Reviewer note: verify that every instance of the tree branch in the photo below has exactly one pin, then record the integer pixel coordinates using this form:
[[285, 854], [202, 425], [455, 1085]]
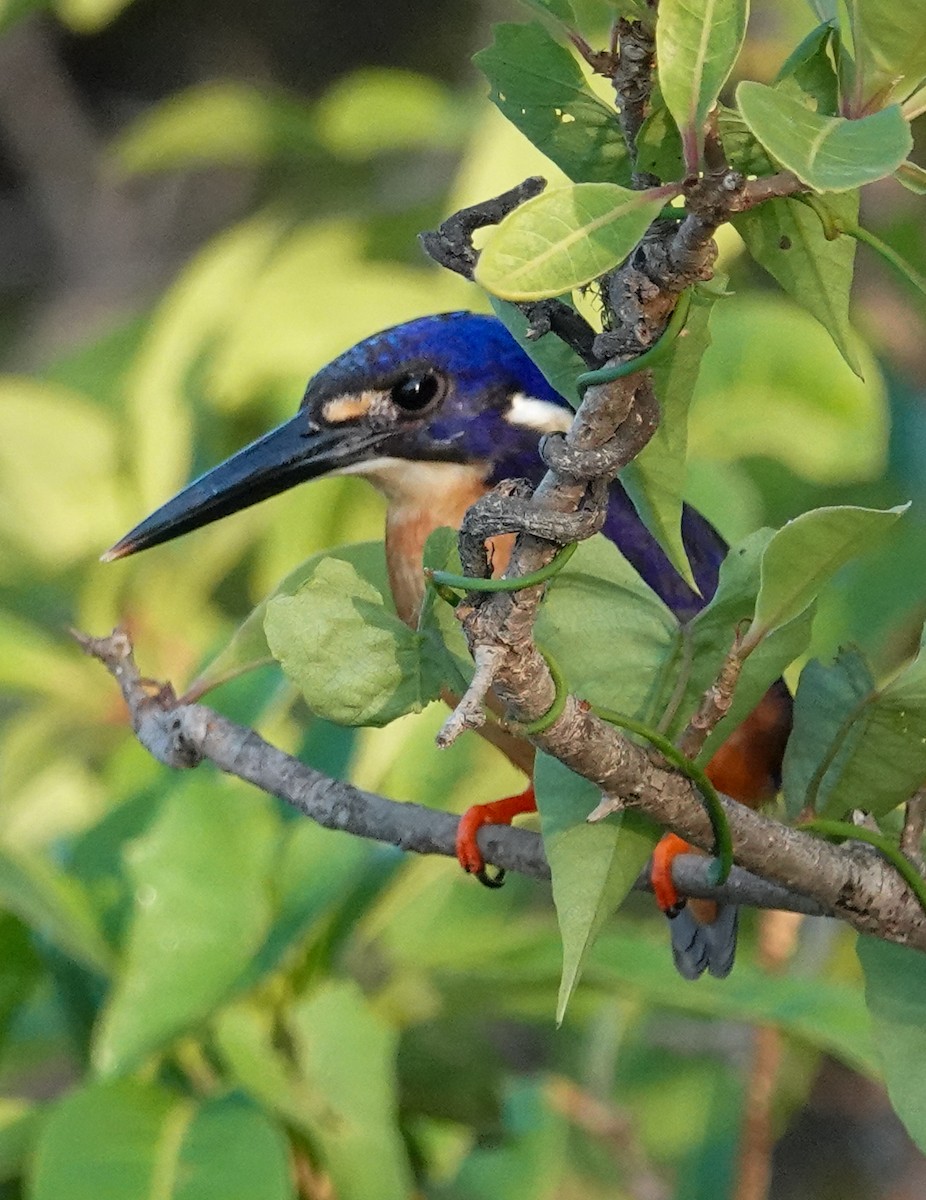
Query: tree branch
[[184, 735]]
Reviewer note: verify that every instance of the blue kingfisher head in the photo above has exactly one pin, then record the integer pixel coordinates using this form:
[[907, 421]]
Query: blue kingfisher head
[[448, 389]]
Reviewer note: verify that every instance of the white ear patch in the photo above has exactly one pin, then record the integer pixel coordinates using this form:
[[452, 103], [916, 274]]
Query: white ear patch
[[539, 415]]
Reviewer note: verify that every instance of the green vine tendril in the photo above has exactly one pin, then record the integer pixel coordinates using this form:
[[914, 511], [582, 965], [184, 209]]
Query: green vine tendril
[[723, 841], [648, 358], [443, 580]]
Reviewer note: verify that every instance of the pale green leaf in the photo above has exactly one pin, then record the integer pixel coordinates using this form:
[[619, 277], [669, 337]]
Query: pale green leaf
[[912, 176], [247, 1039], [196, 310], [895, 989], [829, 154], [697, 44], [59, 494], [89, 16], [354, 661], [560, 10], [228, 122], [538, 85], [806, 553], [772, 384], [787, 238], [808, 73], [593, 866], [824, 10], [376, 110], [889, 51], [54, 905], [202, 876], [339, 1040], [565, 238], [130, 1138], [248, 649]]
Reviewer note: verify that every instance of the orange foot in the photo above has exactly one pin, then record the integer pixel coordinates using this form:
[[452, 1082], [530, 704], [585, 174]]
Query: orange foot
[[668, 848], [499, 812]]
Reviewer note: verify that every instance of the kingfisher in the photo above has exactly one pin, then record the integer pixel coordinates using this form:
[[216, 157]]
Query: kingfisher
[[434, 413]]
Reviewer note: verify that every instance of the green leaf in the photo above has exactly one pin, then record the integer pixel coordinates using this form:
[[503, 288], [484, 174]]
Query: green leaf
[[21, 970], [829, 154], [59, 493], [709, 636], [629, 637], [593, 866], [19, 1127], [742, 149], [376, 110], [826, 697], [89, 16], [541, 89], [895, 989], [889, 45], [565, 238], [560, 364], [229, 123], [808, 72], [354, 661], [54, 906], [127, 1138], [912, 176], [534, 1158], [806, 553], [697, 44], [870, 742], [248, 649], [787, 238], [659, 144], [815, 1010], [655, 479], [247, 1038], [339, 1040], [560, 10], [447, 647], [772, 384], [202, 876]]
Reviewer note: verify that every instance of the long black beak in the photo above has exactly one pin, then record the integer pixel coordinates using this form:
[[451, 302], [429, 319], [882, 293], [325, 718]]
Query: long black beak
[[288, 455]]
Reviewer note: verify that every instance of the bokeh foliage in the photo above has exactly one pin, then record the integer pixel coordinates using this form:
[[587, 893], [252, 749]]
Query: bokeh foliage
[[217, 998]]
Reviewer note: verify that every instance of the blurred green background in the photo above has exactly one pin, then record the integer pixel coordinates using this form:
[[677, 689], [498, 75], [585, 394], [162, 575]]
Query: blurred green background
[[202, 204]]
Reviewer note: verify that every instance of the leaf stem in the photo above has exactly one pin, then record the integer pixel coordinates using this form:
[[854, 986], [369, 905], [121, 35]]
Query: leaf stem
[[833, 226]]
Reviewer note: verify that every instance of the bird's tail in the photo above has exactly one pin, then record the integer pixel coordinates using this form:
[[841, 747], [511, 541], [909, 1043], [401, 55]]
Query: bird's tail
[[698, 947]]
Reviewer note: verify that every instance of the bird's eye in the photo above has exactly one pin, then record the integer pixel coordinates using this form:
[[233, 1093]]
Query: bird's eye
[[413, 393]]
